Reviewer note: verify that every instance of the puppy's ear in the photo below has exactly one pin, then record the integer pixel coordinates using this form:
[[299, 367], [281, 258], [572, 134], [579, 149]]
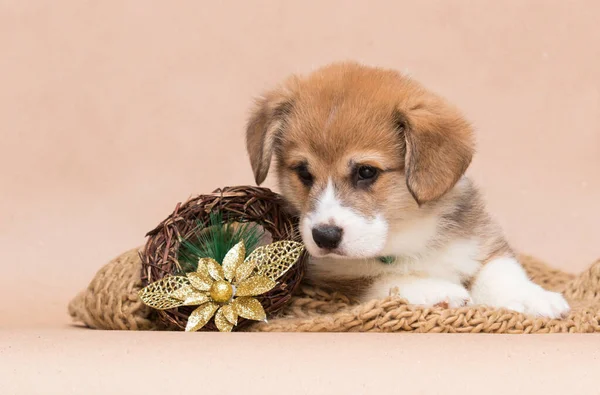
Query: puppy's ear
[[264, 126], [439, 148]]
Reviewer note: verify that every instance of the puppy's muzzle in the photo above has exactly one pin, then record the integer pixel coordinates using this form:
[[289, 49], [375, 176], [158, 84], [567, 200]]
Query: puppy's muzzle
[[327, 236]]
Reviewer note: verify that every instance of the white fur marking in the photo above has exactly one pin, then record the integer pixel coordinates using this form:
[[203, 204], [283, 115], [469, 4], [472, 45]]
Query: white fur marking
[[455, 262], [362, 237]]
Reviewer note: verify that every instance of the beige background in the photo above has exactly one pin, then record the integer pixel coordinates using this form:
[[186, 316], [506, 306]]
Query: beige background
[[113, 111]]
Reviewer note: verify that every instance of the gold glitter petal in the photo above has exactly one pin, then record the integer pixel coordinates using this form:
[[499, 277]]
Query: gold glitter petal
[[223, 325], [233, 258], [214, 269], [195, 299], [249, 308], [201, 316], [275, 259], [255, 285], [165, 293], [244, 270], [229, 313], [200, 281], [202, 266]]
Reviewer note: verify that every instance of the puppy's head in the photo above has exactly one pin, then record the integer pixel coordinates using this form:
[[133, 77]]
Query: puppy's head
[[357, 150]]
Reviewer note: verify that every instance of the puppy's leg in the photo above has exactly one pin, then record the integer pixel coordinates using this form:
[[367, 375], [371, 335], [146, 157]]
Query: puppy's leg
[[420, 291], [502, 282]]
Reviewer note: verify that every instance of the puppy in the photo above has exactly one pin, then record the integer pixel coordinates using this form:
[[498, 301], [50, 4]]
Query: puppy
[[374, 166]]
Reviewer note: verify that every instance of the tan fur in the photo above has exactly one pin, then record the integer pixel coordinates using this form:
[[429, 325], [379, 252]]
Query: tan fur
[[347, 114]]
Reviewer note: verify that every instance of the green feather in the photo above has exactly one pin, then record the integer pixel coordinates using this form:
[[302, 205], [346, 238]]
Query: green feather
[[215, 240]]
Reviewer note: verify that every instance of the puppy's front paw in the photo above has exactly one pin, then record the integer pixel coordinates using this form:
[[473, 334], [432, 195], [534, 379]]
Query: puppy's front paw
[[431, 292], [532, 300], [503, 283], [422, 291]]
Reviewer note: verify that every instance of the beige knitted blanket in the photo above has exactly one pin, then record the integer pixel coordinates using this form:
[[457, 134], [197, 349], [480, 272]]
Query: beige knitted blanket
[[111, 302]]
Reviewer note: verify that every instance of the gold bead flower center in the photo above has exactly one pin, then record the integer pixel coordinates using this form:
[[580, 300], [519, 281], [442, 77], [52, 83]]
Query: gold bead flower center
[[221, 291]]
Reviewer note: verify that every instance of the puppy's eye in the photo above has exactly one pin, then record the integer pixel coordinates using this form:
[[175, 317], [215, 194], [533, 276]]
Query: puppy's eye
[[304, 175], [365, 175], [366, 172]]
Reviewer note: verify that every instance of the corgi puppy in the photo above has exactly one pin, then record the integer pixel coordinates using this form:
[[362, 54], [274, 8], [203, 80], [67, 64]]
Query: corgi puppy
[[374, 166]]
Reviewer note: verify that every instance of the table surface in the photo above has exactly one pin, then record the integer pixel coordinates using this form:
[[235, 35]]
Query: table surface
[[71, 360]]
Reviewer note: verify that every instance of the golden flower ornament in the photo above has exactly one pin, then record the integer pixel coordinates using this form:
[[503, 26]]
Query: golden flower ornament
[[225, 291]]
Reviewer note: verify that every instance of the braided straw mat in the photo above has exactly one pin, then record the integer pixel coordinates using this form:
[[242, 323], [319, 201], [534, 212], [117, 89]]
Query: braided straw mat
[[111, 302]]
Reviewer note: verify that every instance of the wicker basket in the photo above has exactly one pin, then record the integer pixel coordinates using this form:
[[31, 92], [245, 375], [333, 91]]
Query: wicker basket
[[236, 204]]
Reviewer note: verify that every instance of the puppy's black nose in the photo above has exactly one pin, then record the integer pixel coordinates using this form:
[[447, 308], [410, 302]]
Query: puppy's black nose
[[327, 236]]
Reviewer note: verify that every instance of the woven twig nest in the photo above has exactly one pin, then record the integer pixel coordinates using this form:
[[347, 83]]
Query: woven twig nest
[[242, 204]]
